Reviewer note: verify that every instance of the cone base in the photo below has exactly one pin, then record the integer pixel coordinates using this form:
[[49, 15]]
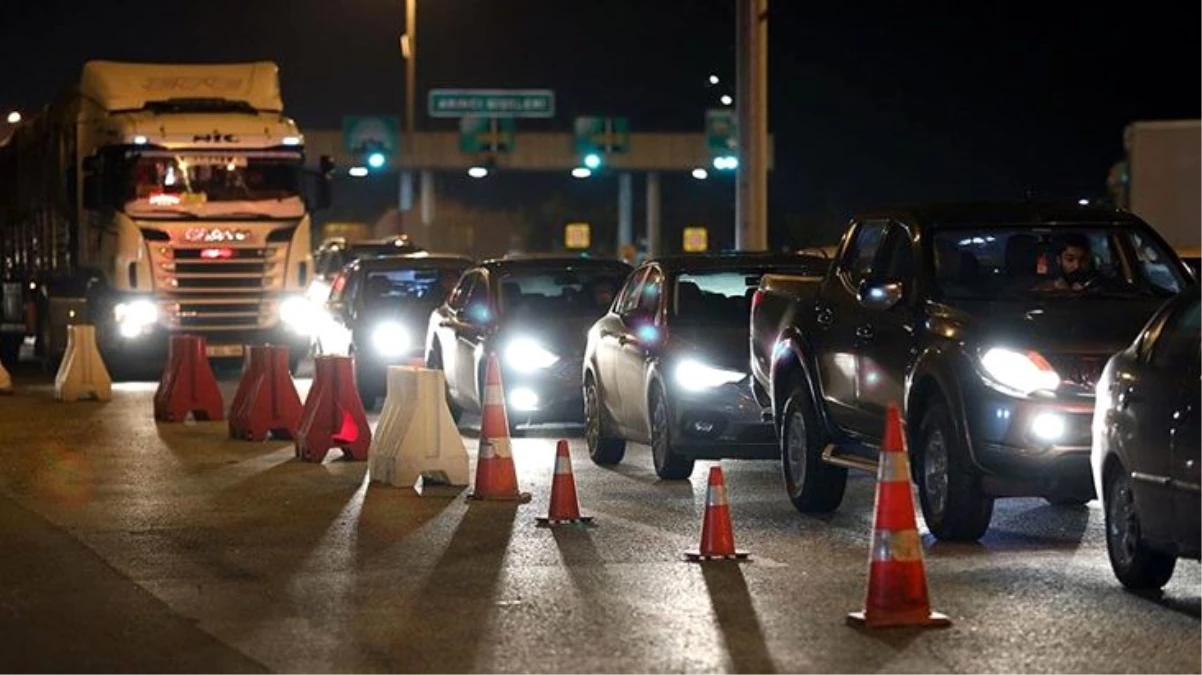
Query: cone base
[[519, 497], [552, 522], [933, 620], [697, 556]]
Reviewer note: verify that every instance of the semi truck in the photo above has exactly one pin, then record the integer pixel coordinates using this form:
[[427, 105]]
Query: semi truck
[[1160, 180], [155, 199]]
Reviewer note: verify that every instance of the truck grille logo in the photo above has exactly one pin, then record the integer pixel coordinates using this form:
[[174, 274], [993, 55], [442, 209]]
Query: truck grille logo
[[215, 235], [215, 137]]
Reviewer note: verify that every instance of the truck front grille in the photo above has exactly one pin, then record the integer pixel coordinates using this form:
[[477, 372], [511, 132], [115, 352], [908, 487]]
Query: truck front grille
[[224, 288]]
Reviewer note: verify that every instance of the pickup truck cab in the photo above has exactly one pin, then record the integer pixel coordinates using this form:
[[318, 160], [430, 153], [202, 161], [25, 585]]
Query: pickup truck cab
[[987, 324]]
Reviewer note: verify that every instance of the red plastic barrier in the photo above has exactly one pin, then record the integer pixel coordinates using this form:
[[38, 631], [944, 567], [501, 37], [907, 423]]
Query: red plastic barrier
[[333, 414], [266, 403], [187, 385]]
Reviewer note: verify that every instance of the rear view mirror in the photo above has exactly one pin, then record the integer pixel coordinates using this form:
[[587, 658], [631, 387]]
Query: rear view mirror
[[880, 295]]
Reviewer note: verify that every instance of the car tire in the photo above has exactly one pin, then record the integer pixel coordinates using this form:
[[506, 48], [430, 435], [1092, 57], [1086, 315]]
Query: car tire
[[813, 486], [954, 504], [668, 464], [1136, 566], [603, 450]]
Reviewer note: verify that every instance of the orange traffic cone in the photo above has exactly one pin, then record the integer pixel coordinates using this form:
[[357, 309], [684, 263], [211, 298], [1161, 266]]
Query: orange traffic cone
[[717, 537], [564, 506], [496, 478], [897, 581]]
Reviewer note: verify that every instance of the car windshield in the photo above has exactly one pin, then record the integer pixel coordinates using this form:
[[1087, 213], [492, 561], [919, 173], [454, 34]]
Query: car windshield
[[216, 185], [427, 285], [990, 263], [543, 293], [721, 296]]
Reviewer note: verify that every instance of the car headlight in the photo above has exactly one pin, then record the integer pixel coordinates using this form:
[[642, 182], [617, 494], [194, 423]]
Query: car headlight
[[297, 313], [526, 355], [696, 376], [318, 291], [390, 339], [1023, 372]]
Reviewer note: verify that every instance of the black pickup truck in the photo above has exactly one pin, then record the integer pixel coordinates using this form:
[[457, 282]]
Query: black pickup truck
[[987, 324]]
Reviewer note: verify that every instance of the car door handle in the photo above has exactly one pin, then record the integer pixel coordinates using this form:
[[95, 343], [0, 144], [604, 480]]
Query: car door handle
[[864, 332]]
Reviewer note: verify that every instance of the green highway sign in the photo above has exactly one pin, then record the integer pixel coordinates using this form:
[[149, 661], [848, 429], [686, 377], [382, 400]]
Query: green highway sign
[[492, 102], [486, 134], [364, 133], [720, 135], [602, 135]]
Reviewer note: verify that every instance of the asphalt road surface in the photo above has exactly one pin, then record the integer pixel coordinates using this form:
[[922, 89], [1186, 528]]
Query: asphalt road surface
[[133, 546]]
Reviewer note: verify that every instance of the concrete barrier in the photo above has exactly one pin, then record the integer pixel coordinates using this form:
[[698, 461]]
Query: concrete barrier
[[417, 443]]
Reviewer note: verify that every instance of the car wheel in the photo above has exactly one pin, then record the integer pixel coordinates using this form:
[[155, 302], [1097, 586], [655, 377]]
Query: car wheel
[[953, 503], [668, 464], [1136, 566], [602, 449], [811, 484]]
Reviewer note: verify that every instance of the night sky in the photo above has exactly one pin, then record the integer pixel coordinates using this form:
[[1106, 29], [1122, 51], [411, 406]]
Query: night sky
[[870, 103]]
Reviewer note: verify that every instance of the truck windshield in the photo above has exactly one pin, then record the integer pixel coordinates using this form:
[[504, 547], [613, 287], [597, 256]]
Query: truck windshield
[[995, 263], [170, 184]]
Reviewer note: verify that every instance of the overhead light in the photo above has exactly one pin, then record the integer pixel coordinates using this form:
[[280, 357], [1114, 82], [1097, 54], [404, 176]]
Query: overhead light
[[726, 99], [592, 160], [713, 79], [1083, 202], [726, 163], [291, 140], [140, 140], [358, 171], [700, 173], [581, 172], [376, 160], [14, 117], [477, 172]]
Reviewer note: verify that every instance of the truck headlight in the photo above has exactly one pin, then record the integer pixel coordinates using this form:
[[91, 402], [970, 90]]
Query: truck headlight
[[696, 376], [298, 314], [1023, 372], [525, 355], [135, 317], [390, 339]]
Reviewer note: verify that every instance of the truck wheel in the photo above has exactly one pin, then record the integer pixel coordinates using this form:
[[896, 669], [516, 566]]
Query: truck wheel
[[953, 503], [812, 485], [602, 449], [668, 464], [1135, 565]]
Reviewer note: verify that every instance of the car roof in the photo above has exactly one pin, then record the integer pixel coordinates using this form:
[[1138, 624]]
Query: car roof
[[734, 260], [415, 261], [1048, 214], [552, 262]]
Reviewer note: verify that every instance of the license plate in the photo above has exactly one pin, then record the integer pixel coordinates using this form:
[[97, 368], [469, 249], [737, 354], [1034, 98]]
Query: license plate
[[219, 351]]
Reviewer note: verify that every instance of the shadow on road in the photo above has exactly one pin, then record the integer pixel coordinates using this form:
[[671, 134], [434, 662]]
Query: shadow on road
[[737, 619], [1187, 606]]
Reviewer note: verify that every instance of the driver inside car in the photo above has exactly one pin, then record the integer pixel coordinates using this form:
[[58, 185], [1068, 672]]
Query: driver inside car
[[1077, 271]]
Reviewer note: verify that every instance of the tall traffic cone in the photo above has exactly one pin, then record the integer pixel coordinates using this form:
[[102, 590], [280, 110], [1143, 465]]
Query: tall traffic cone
[[897, 580], [717, 537], [496, 478], [564, 506]]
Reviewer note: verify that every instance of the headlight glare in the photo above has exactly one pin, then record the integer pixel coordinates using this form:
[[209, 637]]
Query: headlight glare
[[1024, 372], [134, 317], [390, 339], [525, 355], [297, 313], [696, 376]]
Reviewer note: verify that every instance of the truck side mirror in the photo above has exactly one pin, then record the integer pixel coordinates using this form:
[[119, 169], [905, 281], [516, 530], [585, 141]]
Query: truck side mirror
[[320, 193], [880, 295], [93, 195]]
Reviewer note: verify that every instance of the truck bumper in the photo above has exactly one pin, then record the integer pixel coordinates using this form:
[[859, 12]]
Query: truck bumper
[[1027, 447], [150, 349]]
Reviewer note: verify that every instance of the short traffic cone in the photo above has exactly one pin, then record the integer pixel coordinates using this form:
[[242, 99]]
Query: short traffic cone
[[564, 506], [717, 537], [6, 381], [496, 478], [897, 581]]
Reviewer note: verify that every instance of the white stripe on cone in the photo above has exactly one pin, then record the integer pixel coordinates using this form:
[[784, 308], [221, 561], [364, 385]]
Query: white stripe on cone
[[717, 495], [563, 465], [903, 546], [895, 468], [493, 395], [499, 448]]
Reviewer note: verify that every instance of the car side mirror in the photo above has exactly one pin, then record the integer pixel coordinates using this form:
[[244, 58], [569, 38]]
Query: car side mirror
[[880, 296]]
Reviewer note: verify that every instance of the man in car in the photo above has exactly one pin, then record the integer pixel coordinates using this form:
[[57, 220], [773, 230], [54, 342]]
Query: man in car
[[1076, 266]]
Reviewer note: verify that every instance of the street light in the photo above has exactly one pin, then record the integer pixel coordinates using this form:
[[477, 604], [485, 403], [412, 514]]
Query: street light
[[726, 99], [357, 171], [592, 160], [13, 117], [477, 172], [581, 172], [700, 173], [713, 79]]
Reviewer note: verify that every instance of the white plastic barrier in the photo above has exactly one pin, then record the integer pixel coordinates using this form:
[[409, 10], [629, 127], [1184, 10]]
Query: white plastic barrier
[[6, 381], [82, 372], [416, 443]]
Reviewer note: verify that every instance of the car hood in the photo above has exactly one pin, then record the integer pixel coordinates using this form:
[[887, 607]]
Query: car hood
[[1083, 326], [715, 345], [564, 336]]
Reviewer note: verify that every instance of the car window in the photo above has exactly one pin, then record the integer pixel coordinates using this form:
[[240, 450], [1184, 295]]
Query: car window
[[721, 297], [896, 259], [477, 306], [424, 284], [628, 298], [859, 257], [577, 291], [1180, 340], [651, 291], [459, 296], [1155, 263]]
